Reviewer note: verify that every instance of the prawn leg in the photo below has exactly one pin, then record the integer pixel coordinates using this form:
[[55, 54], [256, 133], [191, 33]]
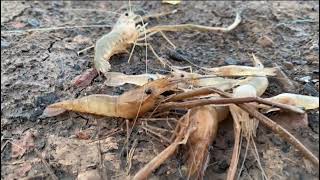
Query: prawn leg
[[85, 49]]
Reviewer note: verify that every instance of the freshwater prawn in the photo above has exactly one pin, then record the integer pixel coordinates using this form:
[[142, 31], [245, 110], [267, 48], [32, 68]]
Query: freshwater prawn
[[127, 32], [123, 34], [200, 124], [129, 105]]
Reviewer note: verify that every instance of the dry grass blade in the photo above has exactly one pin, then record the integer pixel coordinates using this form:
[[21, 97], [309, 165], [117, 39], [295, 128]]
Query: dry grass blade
[[182, 134], [167, 141], [57, 28], [47, 166]]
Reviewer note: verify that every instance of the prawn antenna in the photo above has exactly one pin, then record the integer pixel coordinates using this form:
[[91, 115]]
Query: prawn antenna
[[143, 27], [130, 6]]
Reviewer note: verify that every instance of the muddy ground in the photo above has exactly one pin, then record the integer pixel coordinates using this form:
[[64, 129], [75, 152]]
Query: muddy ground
[[37, 69]]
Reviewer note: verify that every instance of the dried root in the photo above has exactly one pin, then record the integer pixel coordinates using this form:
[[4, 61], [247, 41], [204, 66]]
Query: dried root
[[183, 131]]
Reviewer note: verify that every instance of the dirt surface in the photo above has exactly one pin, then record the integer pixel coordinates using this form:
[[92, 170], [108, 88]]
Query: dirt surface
[[37, 69]]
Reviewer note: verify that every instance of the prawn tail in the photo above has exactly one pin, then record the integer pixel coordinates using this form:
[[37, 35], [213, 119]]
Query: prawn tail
[[94, 104], [306, 102]]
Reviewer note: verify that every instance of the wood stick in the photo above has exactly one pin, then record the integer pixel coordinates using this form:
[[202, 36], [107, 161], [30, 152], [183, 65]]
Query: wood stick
[[235, 153], [281, 132], [201, 102]]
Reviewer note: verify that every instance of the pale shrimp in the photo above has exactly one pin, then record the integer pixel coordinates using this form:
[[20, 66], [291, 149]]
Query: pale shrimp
[[198, 80], [118, 79], [192, 79], [122, 36], [128, 105], [259, 83], [306, 102], [126, 33], [235, 70]]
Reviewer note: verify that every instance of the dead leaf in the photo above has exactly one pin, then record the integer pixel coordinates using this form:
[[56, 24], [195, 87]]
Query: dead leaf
[[18, 25], [21, 146], [82, 135], [82, 40], [171, 2], [291, 120], [24, 169], [86, 78], [265, 41]]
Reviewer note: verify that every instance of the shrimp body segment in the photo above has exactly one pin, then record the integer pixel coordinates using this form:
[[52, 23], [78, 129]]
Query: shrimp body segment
[[128, 105]]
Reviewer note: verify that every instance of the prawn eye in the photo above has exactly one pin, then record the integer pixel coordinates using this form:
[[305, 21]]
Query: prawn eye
[[126, 14], [148, 91], [182, 75]]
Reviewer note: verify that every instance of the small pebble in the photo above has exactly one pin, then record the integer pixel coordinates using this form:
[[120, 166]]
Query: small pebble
[[44, 100], [33, 22], [300, 62], [57, 3], [310, 89], [119, 90], [305, 79], [231, 61], [315, 80], [288, 65], [4, 43], [275, 140], [265, 41], [285, 147], [313, 122], [77, 67], [35, 114], [41, 144]]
